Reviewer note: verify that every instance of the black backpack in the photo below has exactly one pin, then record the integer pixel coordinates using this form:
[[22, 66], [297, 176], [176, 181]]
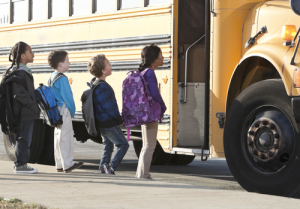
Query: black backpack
[[88, 108], [10, 122]]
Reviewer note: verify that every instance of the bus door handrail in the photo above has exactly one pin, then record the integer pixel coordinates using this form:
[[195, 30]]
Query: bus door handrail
[[186, 63]]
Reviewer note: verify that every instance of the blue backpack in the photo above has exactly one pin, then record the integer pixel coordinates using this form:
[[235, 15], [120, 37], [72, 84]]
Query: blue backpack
[[47, 103]]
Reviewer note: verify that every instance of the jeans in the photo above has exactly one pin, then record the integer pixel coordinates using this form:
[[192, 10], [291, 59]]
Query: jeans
[[23, 142], [110, 137]]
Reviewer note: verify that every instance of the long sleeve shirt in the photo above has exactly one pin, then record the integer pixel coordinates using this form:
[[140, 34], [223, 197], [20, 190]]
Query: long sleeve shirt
[[151, 79], [63, 93], [106, 107]]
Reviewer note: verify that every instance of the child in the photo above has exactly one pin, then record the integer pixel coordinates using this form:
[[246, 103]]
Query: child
[[63, 135], [22, 55], [108, 118]]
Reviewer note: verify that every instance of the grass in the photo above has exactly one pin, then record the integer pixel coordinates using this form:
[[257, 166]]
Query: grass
[[15, 203]]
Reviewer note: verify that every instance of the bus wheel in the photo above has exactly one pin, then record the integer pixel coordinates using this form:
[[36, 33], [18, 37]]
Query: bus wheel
[[160, 157], [36, 146], [47, 156], [261, 140], [181, 159]]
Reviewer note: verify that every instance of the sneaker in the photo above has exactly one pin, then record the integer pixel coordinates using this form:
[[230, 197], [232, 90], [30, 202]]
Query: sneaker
[[25, 169], [104, 169], [59, 170], [75, 166], [150, 178], [111, 170]]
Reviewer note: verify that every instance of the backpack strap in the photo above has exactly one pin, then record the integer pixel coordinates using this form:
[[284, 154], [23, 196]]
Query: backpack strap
[[128, 134], [56, 77], [144, 71]]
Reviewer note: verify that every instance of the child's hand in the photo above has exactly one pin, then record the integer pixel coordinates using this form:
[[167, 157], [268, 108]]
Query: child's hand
[[72, 117], [121, 125]]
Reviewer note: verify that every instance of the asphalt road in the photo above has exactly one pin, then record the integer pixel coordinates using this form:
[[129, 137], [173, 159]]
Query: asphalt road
[[213, 173]]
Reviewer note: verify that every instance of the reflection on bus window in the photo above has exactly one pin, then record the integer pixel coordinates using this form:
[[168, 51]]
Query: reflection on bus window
[[81, 7], [59, 8], [19, 11], [38, 9], [126, 4], [104, 6], [3, 12], [157, 2]]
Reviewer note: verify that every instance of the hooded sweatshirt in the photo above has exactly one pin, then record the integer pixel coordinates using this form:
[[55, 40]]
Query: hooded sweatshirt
[[25, 96]]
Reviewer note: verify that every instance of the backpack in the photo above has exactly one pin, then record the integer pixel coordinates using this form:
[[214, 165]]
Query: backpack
[[47, 103], [139, 108], [10, 122], [88, 108]]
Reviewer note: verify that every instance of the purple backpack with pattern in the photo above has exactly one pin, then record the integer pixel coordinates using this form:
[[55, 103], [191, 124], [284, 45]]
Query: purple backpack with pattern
[[138, 106]]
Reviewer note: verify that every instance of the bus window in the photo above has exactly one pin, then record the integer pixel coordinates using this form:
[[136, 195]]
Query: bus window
[[191, 28], [19, 11], [104, 6], [38, 9], [3, 12], [80, 7], [126, 4], [59, 8], [157, 2]]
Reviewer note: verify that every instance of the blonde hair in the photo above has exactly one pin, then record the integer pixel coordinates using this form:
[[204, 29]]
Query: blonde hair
[[96, 65]]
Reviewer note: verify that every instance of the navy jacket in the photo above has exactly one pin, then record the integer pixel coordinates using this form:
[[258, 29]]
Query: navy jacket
[[105, 107]]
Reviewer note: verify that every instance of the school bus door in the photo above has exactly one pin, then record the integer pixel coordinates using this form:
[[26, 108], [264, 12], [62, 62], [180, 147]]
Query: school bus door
[[193, 76]]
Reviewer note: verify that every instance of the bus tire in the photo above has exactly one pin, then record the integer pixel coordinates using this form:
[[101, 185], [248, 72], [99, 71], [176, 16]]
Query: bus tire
[[160, 157], [181, 159], [36, 146], [261, 140], [47, 156]]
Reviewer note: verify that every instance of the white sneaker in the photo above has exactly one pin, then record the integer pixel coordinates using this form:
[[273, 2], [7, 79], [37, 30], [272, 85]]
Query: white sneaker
[[25, 169], [104, 170]]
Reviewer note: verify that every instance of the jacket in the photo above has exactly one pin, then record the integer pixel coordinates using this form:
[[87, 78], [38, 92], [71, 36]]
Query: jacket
[[25, 96], [105, 107]]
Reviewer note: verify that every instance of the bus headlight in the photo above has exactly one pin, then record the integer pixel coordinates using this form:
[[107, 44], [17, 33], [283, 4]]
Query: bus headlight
[[297, 78]]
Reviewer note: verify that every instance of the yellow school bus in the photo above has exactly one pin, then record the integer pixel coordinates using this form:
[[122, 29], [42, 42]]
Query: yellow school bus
[[230, 78]]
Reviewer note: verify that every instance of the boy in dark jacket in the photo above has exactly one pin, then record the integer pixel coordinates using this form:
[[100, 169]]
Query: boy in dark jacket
[[108, 117], [24, 96]]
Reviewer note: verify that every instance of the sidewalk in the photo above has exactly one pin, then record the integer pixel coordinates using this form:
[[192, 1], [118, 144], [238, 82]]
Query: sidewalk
[[87, 189]]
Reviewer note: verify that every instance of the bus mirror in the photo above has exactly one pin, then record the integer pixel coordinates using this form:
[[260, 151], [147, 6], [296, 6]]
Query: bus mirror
[[295, 5]]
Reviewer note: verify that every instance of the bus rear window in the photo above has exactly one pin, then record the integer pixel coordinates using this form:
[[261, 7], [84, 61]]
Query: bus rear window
[[104, 6], [81, 7], [157, 2], [3, 12], [127, 4], [59, 8], [19, 11], [38, 9]]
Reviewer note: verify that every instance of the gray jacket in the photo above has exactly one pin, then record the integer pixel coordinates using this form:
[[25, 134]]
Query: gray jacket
[[25, 97]]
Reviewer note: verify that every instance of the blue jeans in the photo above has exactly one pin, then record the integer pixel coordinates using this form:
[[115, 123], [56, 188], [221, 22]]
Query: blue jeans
[[110, 137], [23, 142]]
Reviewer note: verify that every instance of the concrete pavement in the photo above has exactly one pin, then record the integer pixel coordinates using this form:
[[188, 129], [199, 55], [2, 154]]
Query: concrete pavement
[[88, 189]]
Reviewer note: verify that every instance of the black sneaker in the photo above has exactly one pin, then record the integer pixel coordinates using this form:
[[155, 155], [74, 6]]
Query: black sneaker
[[75, 166]]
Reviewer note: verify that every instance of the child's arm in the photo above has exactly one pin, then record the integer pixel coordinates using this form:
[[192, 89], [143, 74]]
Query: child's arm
[[105, 97], [153, 88], [21, 95], [66, 94]]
